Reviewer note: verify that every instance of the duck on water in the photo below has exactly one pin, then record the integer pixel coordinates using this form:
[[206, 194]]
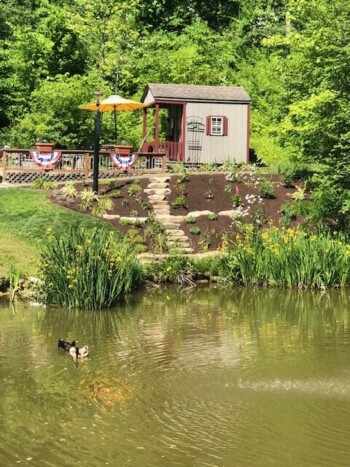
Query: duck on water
[[73, 349]]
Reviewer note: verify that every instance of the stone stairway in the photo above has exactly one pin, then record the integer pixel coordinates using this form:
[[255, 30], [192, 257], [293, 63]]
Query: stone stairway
[[157, 191]]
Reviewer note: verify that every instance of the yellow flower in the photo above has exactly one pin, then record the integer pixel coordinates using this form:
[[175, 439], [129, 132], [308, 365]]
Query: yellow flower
[[49, 230]]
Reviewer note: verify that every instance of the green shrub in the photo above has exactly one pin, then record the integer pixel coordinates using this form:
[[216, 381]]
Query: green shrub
[[289, 213], [87, 268], [212, 217], [236, 200], [180, 202], [195, 230], [87, 197], [38, 183], [266, 189], [190, 220], [69, 190], [103, 206], [134, 188], [288, 258], [49, 185]]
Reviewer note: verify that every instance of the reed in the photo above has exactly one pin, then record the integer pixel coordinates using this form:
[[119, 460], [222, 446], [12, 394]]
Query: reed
[[87, 268], [288, 258]]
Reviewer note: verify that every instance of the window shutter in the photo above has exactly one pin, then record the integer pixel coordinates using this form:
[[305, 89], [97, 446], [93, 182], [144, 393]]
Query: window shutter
[[209, 125], [225, 129]]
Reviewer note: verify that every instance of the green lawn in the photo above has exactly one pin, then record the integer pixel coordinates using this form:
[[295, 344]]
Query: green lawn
[[25, 215]]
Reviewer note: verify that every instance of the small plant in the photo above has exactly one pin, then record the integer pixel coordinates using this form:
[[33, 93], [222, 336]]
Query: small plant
[[211, 181], [115, 193], [236, 200], [190, 220], [69, 190], [87, 197], [181, 188], [259, 217], [86, 182], [134, 213], [212, 216], [125, 202], [113, 184], [287, 178], [151, 218], [180, 202], [103, 206], [49, 185], [195, 230], [228, 188], [134, 188], [299, 195], [38, 183], [289, 214], [209, 194], [146, 205], [205, 240], [266, 189]]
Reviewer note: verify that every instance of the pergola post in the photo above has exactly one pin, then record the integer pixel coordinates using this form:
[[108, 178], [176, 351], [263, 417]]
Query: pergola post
[[156, 127]]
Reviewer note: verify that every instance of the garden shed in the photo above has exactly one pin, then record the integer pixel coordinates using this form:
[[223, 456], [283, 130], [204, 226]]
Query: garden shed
[[197, 124]]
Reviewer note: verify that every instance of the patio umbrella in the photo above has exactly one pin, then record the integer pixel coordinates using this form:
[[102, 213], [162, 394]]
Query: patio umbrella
[[114, 103]]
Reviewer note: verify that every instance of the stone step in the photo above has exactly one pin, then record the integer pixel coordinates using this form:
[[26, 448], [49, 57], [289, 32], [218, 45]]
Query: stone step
[[160, 202], [158, 185], [133, 220], [160, 211], [199, 213], [159, 179], [227, 213], [153, 198], [178, 241], [111, 216], [165, 218], [171, 225], [173, 232], [157, 191]]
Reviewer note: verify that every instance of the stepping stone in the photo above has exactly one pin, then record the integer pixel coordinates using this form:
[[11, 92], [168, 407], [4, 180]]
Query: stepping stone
[[161, 212], [158, 185], [175, 232], [199, 213], [171, 226], [111, 216], [227, 213], [134, 220], [156, 197], [165, 218], [160, 179], [160, 202], [157, 191]]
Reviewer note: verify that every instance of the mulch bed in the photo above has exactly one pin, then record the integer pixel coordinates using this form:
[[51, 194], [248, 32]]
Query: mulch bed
[[211, 192]]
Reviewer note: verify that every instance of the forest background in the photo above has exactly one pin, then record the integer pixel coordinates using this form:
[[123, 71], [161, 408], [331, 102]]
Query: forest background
[[292, 56]]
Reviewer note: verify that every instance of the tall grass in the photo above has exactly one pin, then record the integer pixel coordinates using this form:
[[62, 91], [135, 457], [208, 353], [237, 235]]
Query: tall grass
[[288, 258], [87, 268]]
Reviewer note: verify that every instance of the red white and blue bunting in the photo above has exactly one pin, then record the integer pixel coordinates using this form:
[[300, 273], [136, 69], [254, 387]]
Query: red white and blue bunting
[[46, 160], [123, 161]]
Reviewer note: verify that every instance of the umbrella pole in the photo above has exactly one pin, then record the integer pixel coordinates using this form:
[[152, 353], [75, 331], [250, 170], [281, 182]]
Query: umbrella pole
[[115, 125]]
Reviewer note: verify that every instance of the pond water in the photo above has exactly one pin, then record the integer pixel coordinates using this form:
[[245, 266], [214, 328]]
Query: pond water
[[207, 377]]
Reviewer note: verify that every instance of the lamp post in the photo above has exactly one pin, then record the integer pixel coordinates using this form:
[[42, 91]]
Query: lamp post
[[97, 95]]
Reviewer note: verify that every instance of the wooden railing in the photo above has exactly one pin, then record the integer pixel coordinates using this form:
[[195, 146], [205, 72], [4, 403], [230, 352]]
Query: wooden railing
[[17, 166], [172, 149]]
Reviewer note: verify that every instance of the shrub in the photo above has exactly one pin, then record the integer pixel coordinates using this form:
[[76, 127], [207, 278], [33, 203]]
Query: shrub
[[288, 258], [87, 268], [299, 195], [266, 189], [103, 206], [287, 177], [180, 202], [212, 217], [236, 200], [49, 185], [69, 190], [289, 213], [190, 220], [195, 230], [87, 197], [115, 193], [134, 188], [38, 183]]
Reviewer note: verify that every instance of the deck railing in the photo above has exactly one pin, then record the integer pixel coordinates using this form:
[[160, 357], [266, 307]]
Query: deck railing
[[17, 166], [172, 149]]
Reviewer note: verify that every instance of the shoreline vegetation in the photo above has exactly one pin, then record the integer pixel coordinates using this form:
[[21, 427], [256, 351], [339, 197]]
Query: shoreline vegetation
[[68, 258]]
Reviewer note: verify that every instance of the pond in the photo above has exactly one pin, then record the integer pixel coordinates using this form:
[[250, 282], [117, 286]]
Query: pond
[[205, 377]]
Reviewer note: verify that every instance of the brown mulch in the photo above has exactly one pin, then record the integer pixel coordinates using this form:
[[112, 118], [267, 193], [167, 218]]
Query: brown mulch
[[203, 192]]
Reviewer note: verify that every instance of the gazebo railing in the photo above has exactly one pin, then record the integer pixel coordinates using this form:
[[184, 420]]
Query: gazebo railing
[[17, 166]]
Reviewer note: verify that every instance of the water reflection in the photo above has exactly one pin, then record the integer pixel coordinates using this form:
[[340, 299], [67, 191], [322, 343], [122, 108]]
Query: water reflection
[[201, 377]]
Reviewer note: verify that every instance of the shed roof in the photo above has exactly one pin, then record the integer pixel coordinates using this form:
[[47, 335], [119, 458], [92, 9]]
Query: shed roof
[[195, 93]]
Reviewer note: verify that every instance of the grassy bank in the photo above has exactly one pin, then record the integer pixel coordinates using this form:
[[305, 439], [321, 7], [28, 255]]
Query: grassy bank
[[25, 216]]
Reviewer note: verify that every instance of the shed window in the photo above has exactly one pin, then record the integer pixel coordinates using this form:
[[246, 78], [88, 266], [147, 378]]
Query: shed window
[[217, 125]]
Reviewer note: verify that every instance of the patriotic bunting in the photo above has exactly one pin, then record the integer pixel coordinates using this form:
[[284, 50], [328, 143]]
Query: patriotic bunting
[[123, 161], [45, 159]]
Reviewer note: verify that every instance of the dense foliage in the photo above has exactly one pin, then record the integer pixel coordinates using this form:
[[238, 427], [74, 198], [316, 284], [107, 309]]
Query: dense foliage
[[87, 268]]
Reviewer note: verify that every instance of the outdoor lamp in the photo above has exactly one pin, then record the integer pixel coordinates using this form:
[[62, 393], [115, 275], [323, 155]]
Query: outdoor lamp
[[97, 95]]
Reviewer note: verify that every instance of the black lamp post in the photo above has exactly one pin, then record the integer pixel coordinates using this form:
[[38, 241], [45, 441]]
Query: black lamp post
[[97, 94]]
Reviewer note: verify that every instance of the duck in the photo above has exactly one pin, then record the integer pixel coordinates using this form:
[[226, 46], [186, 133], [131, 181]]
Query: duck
[[65, 345], [77, 352]]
